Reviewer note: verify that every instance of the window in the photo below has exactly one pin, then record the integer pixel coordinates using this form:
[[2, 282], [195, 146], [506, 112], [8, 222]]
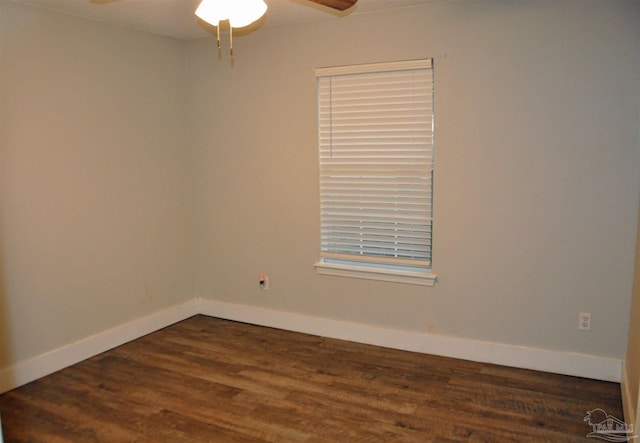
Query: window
[[375, 125]]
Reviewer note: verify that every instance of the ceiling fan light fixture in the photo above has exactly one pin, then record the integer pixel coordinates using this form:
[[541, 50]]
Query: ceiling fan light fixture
[[240, 13]]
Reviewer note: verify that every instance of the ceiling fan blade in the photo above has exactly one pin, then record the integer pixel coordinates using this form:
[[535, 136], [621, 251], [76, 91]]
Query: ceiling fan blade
[[340, 5]]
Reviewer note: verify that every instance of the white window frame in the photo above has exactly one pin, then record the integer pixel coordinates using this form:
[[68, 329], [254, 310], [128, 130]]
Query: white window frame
[[414, 266]]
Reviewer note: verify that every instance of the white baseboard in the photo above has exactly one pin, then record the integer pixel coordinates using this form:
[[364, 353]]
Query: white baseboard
[[52, 361], [581, 365], [567, 363]]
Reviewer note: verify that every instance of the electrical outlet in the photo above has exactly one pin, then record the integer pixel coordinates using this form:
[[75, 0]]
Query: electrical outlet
[[584, 321], [263, 281]]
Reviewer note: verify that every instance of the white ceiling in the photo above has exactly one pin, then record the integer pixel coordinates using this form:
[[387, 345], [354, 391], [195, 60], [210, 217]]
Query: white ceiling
[[175, 18]]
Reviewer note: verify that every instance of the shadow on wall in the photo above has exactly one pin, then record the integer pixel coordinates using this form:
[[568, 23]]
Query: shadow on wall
[[5, 352], [6, 379]]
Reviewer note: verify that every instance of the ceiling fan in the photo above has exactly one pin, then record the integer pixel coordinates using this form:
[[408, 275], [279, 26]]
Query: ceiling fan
[[241, 13]]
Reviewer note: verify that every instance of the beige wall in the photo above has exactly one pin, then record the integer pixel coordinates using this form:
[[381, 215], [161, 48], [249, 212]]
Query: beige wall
[[95, 184], [632, 358], [111, 170], [536, 169]]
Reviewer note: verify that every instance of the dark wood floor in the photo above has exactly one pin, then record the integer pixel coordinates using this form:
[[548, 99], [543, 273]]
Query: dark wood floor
[[211, 380]]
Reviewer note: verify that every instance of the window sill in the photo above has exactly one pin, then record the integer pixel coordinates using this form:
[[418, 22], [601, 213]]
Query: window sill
[[370, 273]]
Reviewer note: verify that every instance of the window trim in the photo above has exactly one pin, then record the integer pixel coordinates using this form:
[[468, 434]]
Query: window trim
[[412, 273], [376, 272], [405, 65]]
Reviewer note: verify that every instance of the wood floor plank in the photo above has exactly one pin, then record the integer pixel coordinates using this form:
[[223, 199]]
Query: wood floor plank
[[211, 380]]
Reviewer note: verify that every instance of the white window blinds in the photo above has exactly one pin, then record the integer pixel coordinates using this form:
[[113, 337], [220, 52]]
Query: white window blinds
[[376, 164]]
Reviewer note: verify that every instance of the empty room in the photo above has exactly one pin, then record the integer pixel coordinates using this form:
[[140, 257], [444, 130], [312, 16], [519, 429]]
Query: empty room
[[382, 220]]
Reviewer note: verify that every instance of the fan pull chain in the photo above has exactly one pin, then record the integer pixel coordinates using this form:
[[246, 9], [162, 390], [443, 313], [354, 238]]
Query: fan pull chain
[[230, 38]]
